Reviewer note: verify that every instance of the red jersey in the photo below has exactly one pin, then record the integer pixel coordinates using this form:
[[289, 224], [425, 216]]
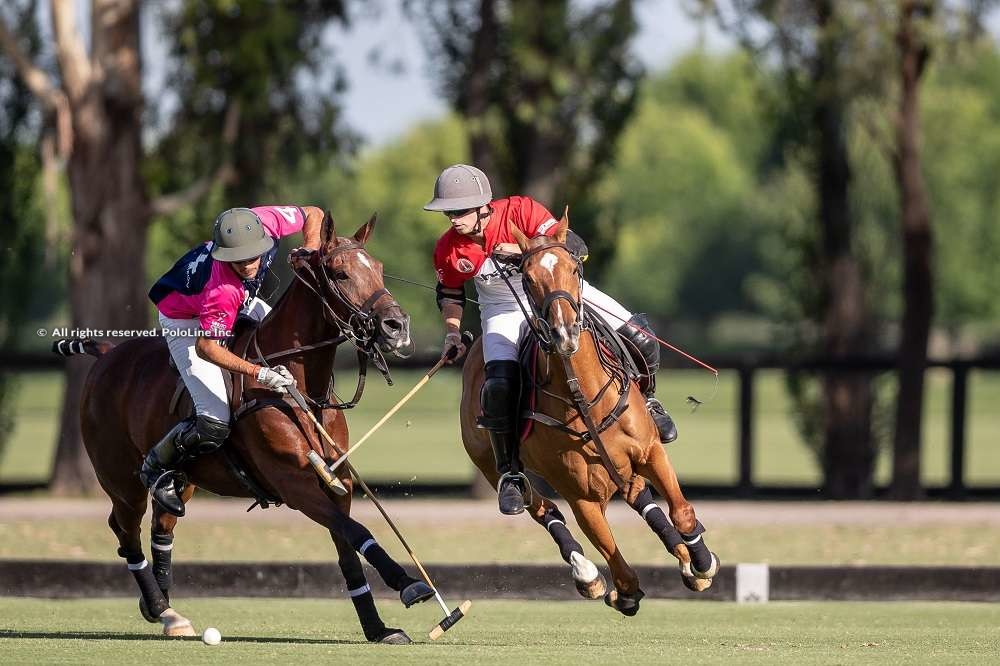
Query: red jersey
[[458, 258]]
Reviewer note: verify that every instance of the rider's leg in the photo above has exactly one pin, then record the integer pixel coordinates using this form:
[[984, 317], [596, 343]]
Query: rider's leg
[[637, 330], [192, 437], [499, 398]]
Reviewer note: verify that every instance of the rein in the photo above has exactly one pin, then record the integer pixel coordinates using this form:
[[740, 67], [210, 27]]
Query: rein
[[359, 327], [541, 330]]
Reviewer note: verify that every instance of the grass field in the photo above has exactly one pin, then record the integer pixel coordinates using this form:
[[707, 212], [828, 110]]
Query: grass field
[[421, 443], [455, 531], [506, 632]]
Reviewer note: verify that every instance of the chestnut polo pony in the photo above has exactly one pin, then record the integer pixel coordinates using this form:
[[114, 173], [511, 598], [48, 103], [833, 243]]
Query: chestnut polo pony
[[337, 296], [592, 438]]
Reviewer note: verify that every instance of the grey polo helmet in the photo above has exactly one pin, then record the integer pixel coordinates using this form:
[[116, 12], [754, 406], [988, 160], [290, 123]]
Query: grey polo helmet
[[239, 236], [459, 187]]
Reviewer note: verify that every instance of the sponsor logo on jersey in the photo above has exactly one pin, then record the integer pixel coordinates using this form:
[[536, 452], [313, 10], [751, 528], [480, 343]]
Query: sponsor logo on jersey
[[464, 265]]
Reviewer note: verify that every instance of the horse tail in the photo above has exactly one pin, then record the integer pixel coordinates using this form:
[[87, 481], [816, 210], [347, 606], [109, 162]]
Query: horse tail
[[74, 346]]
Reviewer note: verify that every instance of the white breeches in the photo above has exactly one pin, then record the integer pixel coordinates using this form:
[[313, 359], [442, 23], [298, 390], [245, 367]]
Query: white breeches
[[202, 378], [503, 323]]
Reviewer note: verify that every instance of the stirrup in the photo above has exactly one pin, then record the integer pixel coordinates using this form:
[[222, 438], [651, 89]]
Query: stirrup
[[518, 477], [170, 476]]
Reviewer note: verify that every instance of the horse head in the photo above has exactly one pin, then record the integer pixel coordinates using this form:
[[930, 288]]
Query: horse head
[[553, 282], [353, 291]]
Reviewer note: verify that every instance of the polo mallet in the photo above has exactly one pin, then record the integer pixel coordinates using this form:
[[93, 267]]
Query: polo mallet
[[451, 617], [467, 338]]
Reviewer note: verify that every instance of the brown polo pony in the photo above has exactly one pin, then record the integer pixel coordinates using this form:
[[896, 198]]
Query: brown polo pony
[[338, 296], [572, 464]]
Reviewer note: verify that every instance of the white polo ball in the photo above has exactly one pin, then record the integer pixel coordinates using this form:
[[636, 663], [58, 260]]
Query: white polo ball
[[211, 636]]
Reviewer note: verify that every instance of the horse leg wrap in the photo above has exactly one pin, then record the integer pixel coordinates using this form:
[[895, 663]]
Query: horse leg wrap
[[555, 523], [361, 595], [390, 571], [144, 578], [701, 556], [657, 520], [163, 545]]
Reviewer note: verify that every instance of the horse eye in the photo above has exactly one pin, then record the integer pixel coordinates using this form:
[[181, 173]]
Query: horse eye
[[340, 275]]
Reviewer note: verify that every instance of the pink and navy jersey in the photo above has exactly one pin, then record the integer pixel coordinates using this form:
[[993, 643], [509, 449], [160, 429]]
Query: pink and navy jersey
[[458, 258], [199, 287]]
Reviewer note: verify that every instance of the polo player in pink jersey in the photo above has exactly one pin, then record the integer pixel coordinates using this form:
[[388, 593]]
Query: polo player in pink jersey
[[199, 300], [480, 227]]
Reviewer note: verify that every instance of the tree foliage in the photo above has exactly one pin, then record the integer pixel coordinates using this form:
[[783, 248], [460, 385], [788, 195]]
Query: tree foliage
[[546, 88]]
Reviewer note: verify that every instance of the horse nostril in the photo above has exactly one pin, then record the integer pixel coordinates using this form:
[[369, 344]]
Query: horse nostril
[[392, 326]]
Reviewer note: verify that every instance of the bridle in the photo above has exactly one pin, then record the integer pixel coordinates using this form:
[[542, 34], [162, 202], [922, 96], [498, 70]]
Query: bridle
[[361, 323], [538, 319], [359, 326], [542, 330]]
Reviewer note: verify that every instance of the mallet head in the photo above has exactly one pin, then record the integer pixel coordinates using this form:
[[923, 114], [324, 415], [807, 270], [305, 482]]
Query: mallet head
[[449, 622]]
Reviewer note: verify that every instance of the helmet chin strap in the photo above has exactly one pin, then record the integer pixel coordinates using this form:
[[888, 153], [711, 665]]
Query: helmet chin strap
[[476, 230]]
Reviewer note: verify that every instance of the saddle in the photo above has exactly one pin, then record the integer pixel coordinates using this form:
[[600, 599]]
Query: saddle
[[182, 406], [619, 356]]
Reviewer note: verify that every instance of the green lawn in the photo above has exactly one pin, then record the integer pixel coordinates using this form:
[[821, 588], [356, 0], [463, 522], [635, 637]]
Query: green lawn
[[509, 632], [421, 443], [441, 537]]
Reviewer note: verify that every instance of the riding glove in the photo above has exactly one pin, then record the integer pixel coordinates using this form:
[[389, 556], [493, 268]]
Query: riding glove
[[454, 348], [276, 378]]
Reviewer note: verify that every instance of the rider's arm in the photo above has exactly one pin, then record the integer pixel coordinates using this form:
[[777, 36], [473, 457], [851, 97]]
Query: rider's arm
[[210, 350], [312, 227]]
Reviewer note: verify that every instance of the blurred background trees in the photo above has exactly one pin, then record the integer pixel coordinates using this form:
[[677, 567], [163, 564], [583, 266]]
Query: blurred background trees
[[767, 199]]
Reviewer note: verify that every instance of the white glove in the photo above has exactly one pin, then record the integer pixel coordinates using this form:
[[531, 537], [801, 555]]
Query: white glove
[[276, 378]]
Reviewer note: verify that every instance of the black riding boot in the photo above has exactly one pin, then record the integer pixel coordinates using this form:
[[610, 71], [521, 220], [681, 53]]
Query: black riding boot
[[649, 351], [499, 400], [187, 440]]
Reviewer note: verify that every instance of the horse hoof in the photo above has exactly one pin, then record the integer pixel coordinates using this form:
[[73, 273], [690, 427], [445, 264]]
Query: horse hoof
[[589, 581], [175, 624], [696, 584], [595, 589], [144, 609], [392, 637], [415, 592], [712, 570], [627, 605]]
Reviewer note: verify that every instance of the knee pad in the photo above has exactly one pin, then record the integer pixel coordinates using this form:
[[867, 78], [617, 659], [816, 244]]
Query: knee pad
[[648, 346], [499, 395], [211, 433]]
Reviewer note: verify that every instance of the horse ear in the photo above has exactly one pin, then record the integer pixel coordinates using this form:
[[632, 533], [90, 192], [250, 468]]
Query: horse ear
[[563, 228], [519, 236], [328, 234], [362, 234]]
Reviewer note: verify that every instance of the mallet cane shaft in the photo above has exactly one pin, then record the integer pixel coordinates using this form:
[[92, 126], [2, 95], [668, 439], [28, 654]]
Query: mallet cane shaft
[[395, 408]]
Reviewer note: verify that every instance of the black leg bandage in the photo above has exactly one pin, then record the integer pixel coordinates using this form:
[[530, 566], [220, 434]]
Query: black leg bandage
[[163, 545], [701, 557], [555, 523], [144, 578], [364, 543], [361, 594], [657, 520]]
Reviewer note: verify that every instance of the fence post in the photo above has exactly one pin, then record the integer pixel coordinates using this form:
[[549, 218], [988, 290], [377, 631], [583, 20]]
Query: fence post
[[959, 387], [746, 488]]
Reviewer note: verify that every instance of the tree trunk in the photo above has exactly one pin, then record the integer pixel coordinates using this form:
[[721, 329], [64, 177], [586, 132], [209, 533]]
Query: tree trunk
[[848, 455], [110, 213], [476, 108], [918, 308]]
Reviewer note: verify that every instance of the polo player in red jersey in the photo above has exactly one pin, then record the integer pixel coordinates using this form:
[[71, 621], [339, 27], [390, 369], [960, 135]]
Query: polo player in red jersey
[[480, 228]]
